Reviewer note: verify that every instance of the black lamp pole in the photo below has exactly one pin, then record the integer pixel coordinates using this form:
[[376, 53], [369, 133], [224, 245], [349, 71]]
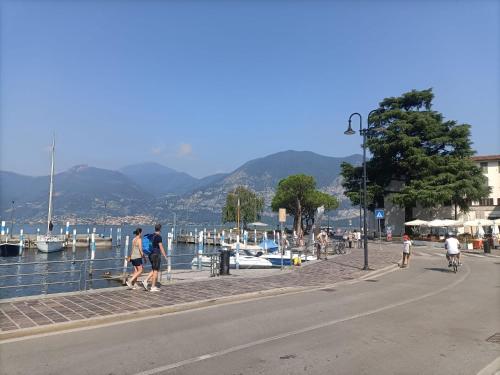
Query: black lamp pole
[[363, 133]]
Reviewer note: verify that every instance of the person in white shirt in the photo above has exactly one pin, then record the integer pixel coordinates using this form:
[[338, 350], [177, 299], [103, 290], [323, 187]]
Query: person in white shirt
[[452, 247], [406, 251]]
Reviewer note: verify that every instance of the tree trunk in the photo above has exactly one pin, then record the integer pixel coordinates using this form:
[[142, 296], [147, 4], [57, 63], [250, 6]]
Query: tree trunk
[[408, 213], [299, 218]]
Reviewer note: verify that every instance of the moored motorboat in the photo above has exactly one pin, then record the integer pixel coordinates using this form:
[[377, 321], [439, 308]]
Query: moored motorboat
[[9, 249]]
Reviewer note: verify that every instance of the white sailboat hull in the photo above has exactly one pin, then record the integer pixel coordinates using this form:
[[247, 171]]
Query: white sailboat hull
[[49, 244]]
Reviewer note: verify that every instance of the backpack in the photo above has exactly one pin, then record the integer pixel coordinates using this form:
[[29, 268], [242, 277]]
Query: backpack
[[147, 243]]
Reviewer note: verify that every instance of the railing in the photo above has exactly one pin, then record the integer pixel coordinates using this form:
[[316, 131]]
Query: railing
[[85, 273]]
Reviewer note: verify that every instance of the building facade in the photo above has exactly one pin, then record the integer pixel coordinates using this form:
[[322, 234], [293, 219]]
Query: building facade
[[487, 208]]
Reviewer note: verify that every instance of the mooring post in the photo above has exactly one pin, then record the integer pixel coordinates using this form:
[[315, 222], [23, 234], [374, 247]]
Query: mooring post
[[200, 249], [125, 251], [170, 239], [92, 253], [237, 253]]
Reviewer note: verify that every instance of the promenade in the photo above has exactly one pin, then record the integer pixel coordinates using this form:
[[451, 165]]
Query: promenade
[[26, 316]]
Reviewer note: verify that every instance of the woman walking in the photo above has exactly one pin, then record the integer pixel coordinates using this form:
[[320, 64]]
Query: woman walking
[[135, 258]]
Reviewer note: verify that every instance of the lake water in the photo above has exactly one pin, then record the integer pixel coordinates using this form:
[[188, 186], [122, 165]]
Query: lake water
[[64, 271]]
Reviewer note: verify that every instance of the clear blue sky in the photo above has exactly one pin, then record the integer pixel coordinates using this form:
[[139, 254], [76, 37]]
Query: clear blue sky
[[203, 86]]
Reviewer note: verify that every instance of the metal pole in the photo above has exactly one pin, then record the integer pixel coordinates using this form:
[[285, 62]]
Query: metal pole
[[365, 200]]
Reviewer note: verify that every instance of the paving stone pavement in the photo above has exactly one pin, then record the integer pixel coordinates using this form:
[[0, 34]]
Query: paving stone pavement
[[52, 310]]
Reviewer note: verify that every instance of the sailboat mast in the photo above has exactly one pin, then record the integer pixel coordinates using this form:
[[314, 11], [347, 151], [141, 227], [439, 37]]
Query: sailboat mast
[[49, 218]]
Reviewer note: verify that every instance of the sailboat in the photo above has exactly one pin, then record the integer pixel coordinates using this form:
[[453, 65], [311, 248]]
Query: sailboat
[[50, 243]]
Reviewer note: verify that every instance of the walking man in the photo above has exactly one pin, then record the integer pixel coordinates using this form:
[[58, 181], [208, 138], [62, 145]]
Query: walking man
[[155, 259]]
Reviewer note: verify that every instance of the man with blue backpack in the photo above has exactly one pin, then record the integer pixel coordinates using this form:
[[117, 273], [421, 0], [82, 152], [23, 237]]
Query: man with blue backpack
[[152, 245]]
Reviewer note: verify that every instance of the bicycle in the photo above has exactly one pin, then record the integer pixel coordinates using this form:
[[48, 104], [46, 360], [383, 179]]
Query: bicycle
[[454, 262], [339, 248]]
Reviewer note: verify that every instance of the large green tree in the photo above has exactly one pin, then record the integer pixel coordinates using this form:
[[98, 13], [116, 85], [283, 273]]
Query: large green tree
[[298, 194], [418, 157], [251, 206]]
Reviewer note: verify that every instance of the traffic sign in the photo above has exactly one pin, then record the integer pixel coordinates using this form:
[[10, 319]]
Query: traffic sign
[[379, 213]]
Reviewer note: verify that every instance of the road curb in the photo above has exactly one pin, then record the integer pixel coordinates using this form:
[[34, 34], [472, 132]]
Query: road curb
[[159, 311]]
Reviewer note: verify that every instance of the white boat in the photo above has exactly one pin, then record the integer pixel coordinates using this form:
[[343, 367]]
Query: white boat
[[242, 246], [245, 260], [50, 243]]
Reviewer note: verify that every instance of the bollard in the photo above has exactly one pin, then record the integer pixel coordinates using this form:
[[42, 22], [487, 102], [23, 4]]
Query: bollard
[[237, 253], [170, 238], [124, 270], [224, 262], [21, 242], [200, 249]]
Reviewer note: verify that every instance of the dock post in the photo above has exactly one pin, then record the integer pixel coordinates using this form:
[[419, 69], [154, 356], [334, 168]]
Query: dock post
[[125, 251], [230, 236], [88, 237], [223, 235], [67, 230], [74, 238], [237, 253], [200, 249], [3, 228], [255, 236], [111, 235], [119, 236], [170, 238], [21, 241], [92, 253]]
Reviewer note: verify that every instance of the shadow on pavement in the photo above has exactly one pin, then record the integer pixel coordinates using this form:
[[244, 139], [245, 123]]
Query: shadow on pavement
[[438, 269]]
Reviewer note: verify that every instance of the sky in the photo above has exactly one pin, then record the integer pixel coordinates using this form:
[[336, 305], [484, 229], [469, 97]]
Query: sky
[[204, 86]]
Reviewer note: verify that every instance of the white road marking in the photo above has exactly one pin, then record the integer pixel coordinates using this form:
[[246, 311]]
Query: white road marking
[[298, 331], [491, 369]]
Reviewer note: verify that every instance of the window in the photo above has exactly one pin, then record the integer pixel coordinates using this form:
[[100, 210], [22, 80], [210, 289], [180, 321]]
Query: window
[[484, 166], [486, 202]]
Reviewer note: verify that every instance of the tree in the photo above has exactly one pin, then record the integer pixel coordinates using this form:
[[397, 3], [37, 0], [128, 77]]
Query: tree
[[298, 194], [416, 148], [251, 206]]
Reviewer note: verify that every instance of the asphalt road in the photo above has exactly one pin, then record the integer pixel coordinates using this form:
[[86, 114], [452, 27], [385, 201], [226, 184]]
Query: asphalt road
[[421, 320]]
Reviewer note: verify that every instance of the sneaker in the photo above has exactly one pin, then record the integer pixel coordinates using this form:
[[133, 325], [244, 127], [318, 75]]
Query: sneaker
[[145, 284], [135, 287], [459, 263], [154, 289], [449, 264], [129, 284]]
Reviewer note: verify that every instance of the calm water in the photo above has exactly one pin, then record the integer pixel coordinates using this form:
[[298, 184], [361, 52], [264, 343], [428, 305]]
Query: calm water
[[63, 271]]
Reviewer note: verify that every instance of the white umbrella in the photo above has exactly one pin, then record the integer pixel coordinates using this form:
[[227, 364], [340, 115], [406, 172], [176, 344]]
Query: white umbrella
[[416, 223], [496, 221], [495, 230], [452, 223], [478, 222], [480, 232], [436, 223]]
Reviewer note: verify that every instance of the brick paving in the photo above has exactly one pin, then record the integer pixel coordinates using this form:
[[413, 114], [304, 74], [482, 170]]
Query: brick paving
[[52, 310]]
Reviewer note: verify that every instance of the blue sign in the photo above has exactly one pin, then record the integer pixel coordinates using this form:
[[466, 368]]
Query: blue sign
[[379, 213]]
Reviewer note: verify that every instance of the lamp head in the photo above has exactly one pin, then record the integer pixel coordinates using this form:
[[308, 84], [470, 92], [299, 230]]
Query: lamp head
[[349, 130]]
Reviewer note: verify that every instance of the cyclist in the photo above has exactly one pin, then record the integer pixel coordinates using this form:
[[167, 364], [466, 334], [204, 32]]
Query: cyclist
[[452, 247]]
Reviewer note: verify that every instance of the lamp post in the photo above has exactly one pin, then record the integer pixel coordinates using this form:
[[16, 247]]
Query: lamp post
[[363, 132]]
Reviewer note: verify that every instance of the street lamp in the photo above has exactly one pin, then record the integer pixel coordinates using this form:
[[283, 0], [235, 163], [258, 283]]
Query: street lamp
[[363, 133]]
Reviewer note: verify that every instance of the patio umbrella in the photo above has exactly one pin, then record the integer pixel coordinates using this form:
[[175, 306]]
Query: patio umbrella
[[480, 232], [452, 223], [496, 221], [436, 223], [257, 224], [478, 222], [416, 223], [495, 230]]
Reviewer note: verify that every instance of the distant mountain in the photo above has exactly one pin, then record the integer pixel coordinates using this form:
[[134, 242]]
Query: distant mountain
[[158, 179], [262, 175], [79, 191], [153, 190]]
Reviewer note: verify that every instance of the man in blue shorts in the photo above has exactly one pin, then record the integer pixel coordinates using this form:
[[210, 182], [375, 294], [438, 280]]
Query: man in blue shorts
[[155, 259]]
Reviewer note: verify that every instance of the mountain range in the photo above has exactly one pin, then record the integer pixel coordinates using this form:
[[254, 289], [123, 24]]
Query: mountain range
[[154, 191]]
